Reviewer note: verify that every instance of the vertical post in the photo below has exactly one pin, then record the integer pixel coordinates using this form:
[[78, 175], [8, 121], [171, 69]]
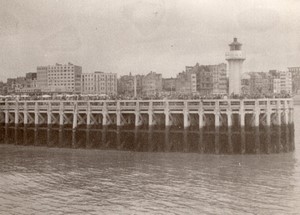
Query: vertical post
[[230, 147], [16, 113], [49, 121], [217, 119], [268, 113], [16, 129], [73, 138], [104, 118], [257, 141], [268, 140], [167, 140], [137, 119], [61, 114], [217, 140], [36, 113], [167, 114], [201, 144], [278, 112], [75, 114], [201, 115], [48, 136], [6, 120], [186, 120], [242, 114], [286, 112], [229, 119], [25, 113], [6, 116], [104, 114], [243, 140], [185, 141], [118, 114], [291, 112], [217, 114], [61, 136], [201, 120], [150, 114], [118, 132], [256, 113], [137, 115], [88, 114]]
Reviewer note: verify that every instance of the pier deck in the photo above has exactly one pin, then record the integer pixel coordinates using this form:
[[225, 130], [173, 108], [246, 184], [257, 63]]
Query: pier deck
[[220, 112]]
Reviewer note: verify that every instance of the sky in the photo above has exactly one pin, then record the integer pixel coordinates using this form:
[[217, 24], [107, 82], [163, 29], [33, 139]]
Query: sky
[[140, 36]]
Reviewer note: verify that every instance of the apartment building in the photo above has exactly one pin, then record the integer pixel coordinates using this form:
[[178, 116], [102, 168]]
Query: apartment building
[[99, 83], [59, 78]]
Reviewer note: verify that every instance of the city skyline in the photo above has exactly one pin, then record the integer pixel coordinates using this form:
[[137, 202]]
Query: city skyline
[[143, 36]]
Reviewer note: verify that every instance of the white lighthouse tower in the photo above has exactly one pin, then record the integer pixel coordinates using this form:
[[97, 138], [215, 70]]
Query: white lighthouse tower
[[235, 58]]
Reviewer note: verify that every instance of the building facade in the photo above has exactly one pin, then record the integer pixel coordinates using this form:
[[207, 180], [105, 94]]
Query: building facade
[[59, 78], [219, 78], [169, 84], [2, 88], [260, 83], [130, 85], [209, 79], [295, 71], [152, 84], [41, 78], [11, 85], [186, 82], [285, 82], [99, 83]]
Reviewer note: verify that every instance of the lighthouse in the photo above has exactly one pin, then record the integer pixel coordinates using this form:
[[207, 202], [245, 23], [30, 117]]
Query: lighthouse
[[235, 58]]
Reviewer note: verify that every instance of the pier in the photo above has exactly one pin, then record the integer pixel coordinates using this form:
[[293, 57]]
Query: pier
[[200, 113]]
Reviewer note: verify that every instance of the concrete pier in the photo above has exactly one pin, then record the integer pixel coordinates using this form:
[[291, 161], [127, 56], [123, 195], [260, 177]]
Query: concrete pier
[[107, 112]]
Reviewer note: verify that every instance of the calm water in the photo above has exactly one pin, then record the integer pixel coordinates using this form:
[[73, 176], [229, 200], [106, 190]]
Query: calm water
[[147, 171]]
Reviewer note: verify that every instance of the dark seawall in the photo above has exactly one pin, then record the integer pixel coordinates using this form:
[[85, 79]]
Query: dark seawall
[[223, 140]]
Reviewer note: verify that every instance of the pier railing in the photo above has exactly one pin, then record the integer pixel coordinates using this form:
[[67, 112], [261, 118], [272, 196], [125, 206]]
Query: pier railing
[[267, 111]]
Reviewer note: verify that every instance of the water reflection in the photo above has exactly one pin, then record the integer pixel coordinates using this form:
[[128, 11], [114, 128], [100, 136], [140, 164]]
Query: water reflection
[[273, 139]]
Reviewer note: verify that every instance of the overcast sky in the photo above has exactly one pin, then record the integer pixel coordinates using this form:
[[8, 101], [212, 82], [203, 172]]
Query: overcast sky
[[151, 35]]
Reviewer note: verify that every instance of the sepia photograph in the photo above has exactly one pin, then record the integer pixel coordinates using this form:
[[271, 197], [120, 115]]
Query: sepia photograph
[[149, 107]]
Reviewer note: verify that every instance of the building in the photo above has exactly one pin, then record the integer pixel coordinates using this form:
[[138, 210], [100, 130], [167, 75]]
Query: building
[[152, 84], [245, 90], [276, 86], [204, 78], [20, 84], [260, 83], [2, 85], [31, 80], [42, 78], [219, 78], [99, 83], [295, 71], [59, 78], [11, 85], [130, 85], [169, 84], [235, 58], [275, 81], [285, 82], [186, 82]]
